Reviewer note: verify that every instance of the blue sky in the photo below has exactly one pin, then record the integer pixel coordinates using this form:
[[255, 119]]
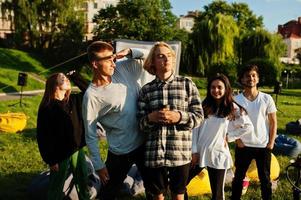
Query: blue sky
[[274, 12]]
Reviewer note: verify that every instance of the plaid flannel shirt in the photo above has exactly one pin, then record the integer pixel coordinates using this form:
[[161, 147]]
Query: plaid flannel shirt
[[169, 145]]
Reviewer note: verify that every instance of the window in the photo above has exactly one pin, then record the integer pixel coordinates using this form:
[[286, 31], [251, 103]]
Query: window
[[95, 5], [85, 5]]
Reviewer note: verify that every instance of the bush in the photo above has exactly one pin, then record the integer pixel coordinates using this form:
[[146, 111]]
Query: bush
[[269, 71], [228, 69]]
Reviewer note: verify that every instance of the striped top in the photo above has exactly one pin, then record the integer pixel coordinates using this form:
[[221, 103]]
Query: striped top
[[169, 145]]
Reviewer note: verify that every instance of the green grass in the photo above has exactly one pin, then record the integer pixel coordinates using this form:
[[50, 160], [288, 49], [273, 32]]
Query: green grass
[[20, 160], [14, 61]]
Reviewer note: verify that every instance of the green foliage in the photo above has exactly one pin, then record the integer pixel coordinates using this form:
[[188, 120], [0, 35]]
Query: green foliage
[[46, 24], [68, 42], [226, 36], [216, 35], [137, 19], [261, 44], [294, 76], [276, 48], [213, 39], [264, 48], [11, 63], [20, 61], [267, 69], [243, 16], [227, 69], [201, 83]]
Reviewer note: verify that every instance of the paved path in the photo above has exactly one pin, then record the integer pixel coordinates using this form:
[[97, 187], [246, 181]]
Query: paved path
[[16, 95]]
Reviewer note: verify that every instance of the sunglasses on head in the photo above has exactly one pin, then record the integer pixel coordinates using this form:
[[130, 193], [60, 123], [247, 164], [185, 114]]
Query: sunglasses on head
[[113, 57]]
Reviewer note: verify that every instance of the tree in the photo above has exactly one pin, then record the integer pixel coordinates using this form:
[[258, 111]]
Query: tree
[[150, 20], [39, 24], [216, 35], [240, 12], [24, 19], [213, 40], [266, 49], [261, 44]]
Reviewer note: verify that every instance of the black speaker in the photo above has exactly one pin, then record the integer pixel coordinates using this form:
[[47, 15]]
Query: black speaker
[[22, 79]]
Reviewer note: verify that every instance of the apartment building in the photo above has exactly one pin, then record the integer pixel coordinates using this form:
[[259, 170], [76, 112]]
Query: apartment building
[[186, 22], [291, 33], [6, 25], [91, 8]]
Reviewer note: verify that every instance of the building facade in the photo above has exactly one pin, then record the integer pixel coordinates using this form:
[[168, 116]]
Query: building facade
[[6, 23], [291, 33], [91, 8], [186, 22]]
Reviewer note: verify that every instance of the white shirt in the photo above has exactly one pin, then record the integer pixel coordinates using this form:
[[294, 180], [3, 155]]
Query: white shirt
[[258, 110], [209, 139]]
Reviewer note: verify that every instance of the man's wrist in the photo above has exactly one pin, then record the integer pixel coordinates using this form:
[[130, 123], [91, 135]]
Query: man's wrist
[[129, 54], [180, 117]]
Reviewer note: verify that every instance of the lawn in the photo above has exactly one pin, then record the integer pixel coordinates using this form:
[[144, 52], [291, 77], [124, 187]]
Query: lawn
[[14, 61], [20, 160]]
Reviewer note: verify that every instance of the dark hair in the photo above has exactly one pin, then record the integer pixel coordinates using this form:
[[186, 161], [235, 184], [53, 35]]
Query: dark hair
[[247, 68], [226, 107], [96, 47], [50, 89]]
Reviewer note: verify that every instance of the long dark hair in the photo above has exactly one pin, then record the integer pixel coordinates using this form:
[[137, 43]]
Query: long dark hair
[[50, 88], [225, 108]]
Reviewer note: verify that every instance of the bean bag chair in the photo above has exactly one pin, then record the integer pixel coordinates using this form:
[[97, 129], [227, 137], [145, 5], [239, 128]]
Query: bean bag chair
[[288, 146], [199, 185], [12, 122], [274, 173], [293, 127]]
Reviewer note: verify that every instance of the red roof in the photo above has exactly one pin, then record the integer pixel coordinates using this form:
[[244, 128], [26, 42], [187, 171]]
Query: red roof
[[294, 36]]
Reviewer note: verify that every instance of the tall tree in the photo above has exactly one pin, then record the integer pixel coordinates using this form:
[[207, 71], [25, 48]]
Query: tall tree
[[137, 19], [261, 44], [264, 49], [216, 35], [242, 15], [40, 23], [213, 40], [24, 19]]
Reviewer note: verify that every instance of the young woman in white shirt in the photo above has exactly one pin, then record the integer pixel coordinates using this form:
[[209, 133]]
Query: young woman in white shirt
[[225, 120]]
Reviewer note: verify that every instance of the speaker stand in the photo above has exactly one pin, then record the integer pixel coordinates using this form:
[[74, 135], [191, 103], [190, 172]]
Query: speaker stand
[[276, 101], [20, 102]]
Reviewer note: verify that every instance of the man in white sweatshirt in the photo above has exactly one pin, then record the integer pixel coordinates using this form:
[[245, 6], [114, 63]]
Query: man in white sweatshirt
[[262, 112], [111, 101]]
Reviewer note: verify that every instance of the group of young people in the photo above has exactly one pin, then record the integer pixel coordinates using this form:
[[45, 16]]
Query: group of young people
[[161, 125]]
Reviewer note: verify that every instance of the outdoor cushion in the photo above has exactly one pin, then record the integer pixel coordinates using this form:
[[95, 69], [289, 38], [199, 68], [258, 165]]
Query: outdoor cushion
[[12, 122], [293, 127], [288, 146], [199, 185]]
